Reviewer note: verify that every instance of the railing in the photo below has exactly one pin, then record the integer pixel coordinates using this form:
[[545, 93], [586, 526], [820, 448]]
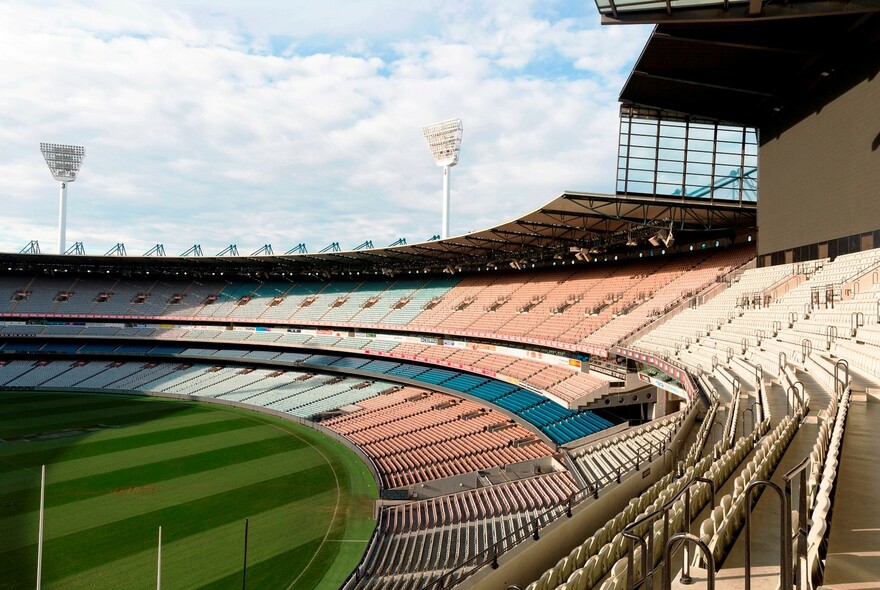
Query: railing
[[707, 554], [647, 546], [784, 527], [799, 535], [840, 385], [788, 574], [533, 528]]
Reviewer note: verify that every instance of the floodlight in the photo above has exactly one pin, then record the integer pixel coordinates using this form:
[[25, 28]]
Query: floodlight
[[444, 141], [630, 241], [659, 237], [64, 162], [670, 240]]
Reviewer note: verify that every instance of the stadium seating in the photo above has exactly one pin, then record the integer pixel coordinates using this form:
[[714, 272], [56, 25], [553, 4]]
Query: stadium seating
[[763, 346]]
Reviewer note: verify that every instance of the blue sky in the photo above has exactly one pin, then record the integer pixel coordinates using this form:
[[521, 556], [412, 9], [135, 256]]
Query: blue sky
[[248, 123]]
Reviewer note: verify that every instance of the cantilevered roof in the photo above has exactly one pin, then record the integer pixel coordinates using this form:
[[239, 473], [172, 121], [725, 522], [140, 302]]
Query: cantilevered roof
[[762, 73], [572, 220], [658, 11]]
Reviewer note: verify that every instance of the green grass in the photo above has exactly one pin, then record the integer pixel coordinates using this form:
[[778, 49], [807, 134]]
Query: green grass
[[118, 467]]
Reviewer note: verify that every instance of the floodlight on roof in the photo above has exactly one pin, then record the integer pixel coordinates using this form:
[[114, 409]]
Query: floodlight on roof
[[444, 141], [64, 162]]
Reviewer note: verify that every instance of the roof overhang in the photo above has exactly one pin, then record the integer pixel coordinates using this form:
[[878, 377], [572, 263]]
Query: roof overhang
[[713, 11], [570, 220], [763, 73]]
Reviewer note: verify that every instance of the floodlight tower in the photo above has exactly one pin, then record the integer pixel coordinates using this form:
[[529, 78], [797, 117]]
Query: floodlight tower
[[444, 141], [64, 162]]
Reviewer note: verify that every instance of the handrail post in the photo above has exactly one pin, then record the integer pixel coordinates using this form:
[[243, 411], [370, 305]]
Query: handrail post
[[840, 386], [783, 360], [796, 396], [785, 546], [667, 556], [799, 471], [686, 564], [631, 556]]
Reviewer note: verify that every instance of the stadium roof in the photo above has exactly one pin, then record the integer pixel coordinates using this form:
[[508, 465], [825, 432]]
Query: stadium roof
[[767, 73], [657, 11], [572, 220]]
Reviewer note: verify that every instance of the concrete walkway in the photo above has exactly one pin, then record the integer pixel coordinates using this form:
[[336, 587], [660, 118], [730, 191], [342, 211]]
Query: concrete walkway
[[853, 559]]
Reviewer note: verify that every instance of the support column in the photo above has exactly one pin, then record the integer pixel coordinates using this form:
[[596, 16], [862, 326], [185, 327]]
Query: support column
[[62, 218], [444, 230]]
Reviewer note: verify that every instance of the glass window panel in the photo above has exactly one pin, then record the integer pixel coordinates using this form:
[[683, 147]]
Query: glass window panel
[[671, 154], [677, 131], [670, 166], [727, 160], [640, 187], [643, 128], [701, 132], [637, 174], [642, 140], [700, 145], [668, 188], [641, 163], [698, 168], [699, 158], [727, 135], [675, 143]]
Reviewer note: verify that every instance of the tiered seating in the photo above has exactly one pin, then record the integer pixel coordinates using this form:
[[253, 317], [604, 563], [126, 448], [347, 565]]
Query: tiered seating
[[688, 279], [417, 437], [416, 536], [565, 306], [824, 461], [611, 458], [534, 493]]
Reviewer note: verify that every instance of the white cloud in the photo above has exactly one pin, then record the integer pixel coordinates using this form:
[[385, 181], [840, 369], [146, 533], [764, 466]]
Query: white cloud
[[198, 129]]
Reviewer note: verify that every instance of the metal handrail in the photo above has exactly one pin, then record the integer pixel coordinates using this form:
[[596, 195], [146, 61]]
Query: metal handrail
[[533, 527], [799, 396], [648, 546], [785, 548], [799, 471], [840, 386], [685, 538]]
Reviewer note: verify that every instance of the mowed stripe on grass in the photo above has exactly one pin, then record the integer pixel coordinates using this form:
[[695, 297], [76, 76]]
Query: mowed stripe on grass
[[113, 461], [103, 512]]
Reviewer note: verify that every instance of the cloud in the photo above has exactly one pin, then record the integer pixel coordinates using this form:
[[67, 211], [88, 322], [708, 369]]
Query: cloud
[[281, 123]]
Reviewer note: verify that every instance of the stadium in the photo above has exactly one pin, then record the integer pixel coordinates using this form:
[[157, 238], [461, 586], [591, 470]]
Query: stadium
[[671, 385]]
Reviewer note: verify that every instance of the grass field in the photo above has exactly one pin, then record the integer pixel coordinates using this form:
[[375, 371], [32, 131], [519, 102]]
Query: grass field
[[118, 467]]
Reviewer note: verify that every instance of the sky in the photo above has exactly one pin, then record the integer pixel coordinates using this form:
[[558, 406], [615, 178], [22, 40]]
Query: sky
[[264, 122]]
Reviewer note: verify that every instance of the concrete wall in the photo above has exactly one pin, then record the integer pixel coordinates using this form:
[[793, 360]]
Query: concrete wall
[[820, 180]]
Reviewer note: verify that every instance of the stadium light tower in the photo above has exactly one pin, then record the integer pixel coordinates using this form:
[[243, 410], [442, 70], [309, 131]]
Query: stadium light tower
[[444, 141], [64, 162]]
